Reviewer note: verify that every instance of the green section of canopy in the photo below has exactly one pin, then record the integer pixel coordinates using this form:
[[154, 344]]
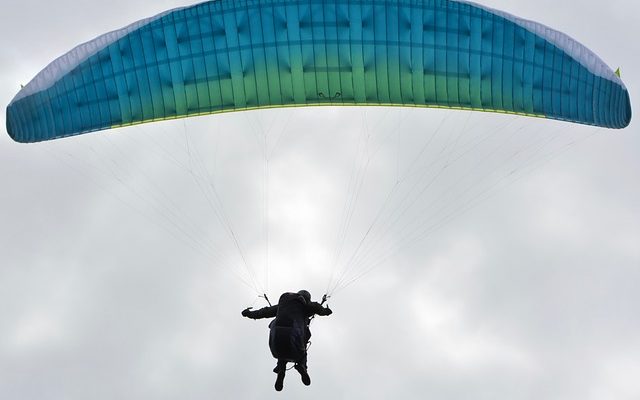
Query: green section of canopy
[[236, 55]]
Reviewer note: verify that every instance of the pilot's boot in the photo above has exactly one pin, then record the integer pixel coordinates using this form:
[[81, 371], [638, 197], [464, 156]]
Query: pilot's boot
[[304, 375], [280, 380]]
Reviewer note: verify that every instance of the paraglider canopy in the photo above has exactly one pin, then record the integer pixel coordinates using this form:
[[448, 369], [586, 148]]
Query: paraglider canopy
[[229, 55]]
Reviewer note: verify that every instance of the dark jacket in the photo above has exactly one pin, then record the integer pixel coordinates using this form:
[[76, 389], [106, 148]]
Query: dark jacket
[[310, 309], [289, 331], [291, 311]]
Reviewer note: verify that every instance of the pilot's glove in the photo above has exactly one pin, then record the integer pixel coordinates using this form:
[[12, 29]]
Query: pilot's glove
[[246, 312]]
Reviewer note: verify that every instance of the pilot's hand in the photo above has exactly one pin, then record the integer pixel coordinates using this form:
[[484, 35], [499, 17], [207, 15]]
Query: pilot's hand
[[246, 312]]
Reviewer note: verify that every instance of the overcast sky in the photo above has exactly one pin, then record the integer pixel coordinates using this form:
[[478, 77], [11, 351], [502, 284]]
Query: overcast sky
[[118, 280]]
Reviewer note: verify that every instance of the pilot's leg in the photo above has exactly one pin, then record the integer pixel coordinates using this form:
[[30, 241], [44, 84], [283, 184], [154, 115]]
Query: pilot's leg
[[280, 369], [301, 367]]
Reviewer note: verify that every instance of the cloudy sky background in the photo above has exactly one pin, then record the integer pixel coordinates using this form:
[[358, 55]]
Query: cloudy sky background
[[532, 293]]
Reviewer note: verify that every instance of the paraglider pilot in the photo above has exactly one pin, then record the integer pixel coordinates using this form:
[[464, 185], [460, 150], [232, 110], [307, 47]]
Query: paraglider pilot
[[289, 332]]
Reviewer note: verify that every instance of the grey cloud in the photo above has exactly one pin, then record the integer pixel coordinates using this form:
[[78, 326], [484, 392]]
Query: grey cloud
[[531, 294]]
